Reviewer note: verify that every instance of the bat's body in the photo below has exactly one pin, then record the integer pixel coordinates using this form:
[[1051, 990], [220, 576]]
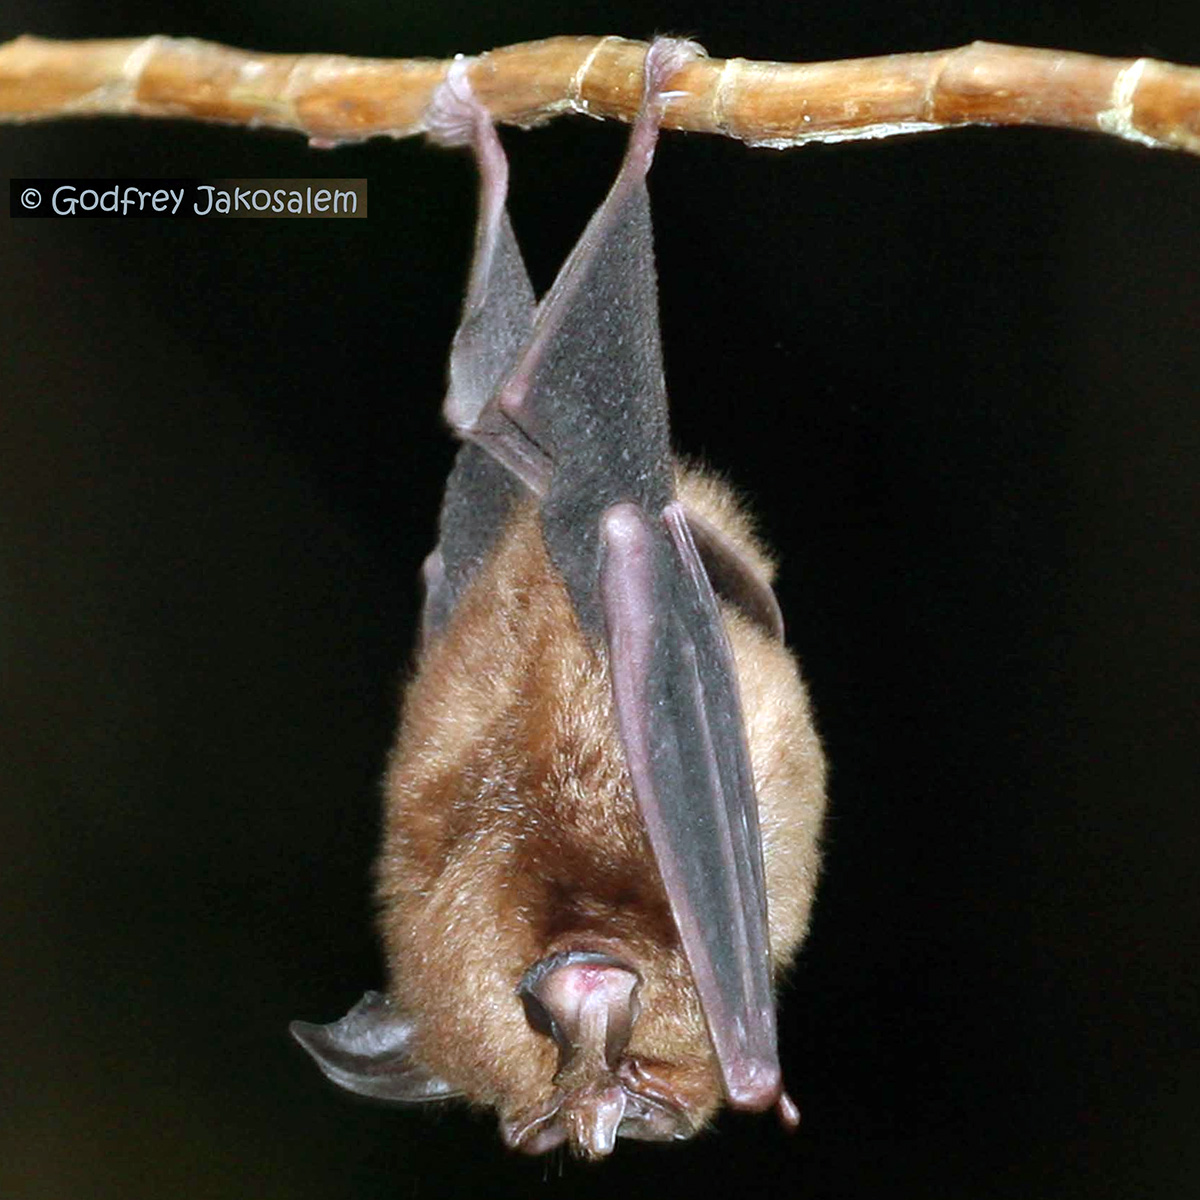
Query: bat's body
[[513, 834], [580, 923]]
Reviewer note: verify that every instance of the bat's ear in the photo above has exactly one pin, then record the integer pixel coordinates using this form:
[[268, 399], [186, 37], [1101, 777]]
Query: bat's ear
[[367, 1052]]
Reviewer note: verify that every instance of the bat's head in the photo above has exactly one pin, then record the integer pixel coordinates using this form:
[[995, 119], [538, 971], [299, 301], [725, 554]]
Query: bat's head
[[587, 1002], [585, 1005]]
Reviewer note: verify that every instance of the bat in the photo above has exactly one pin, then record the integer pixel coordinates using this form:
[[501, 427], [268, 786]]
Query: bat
[[603, 806]]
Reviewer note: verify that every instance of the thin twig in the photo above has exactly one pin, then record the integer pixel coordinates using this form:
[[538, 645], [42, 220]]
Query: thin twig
[[334, 98]]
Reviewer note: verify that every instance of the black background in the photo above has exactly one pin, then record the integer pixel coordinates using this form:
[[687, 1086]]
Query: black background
[[956, 374]]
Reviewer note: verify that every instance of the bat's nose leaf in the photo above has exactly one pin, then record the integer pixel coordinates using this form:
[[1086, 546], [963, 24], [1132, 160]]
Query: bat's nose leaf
[[587, 1003]]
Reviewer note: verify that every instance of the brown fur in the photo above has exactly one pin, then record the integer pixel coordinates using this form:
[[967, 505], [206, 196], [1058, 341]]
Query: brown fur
[[512, 832]]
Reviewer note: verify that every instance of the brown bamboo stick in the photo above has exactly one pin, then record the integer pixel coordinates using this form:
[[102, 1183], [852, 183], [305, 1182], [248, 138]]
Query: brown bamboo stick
[[334, 98]]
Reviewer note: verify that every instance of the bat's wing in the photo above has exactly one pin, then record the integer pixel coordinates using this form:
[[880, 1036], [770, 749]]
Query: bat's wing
[[681, 723], [585, 404]]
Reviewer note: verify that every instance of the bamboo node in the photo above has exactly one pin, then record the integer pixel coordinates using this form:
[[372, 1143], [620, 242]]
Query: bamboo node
[[1117, 119]]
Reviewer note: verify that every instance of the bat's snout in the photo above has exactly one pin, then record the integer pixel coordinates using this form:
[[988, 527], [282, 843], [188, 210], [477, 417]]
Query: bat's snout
[[587, 1002]]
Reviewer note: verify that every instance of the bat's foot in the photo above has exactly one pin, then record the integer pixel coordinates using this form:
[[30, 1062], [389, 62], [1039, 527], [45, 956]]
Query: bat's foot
[[665, 57], [454, 115]]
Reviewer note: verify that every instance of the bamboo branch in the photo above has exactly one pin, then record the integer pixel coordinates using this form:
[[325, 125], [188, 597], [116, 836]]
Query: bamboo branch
[[334, 98]]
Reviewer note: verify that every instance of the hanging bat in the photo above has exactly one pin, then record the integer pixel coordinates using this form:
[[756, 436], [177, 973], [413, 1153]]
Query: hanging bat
[[603, 806]]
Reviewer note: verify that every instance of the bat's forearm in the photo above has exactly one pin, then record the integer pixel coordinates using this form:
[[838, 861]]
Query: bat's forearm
[[334, 98]]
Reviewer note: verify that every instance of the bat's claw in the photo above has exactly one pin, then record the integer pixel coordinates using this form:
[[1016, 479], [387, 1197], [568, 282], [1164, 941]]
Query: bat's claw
[[665, 57]]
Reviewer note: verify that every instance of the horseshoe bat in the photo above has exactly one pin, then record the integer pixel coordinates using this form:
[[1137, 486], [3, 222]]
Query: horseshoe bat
[[603, 806]]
